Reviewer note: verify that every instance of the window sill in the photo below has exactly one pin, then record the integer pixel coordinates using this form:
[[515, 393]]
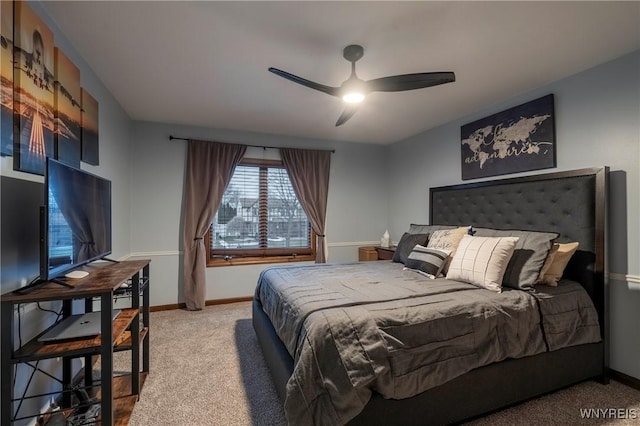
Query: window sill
[[213, 263]]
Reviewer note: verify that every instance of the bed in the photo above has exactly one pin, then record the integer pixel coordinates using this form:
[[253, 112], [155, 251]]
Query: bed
[[502, 371]]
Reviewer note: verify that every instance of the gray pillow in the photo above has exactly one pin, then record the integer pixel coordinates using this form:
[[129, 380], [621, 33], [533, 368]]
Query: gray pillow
[[528, 257], [406, 244], [427, 229], [427, 261]]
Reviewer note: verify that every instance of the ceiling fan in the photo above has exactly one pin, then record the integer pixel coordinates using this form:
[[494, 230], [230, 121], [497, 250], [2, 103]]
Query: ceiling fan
[[354, 90]]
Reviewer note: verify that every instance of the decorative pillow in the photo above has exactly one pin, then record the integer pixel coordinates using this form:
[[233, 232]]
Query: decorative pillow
[[447, 240], [528, 257], [482, 261], [406, 244], [551, 273], [427, 261]]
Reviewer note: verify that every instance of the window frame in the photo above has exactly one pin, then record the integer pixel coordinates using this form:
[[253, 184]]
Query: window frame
[[219, 257]]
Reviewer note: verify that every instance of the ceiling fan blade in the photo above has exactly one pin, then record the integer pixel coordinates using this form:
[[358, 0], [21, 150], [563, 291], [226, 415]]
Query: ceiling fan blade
[[399, 83], [333, 91], [348, 112]]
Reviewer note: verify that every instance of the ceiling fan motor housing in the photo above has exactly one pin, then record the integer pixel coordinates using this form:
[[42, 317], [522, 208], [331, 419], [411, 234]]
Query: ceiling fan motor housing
[[353, 52]]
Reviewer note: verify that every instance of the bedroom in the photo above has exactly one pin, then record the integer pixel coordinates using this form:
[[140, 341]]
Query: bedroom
[[596, 123]]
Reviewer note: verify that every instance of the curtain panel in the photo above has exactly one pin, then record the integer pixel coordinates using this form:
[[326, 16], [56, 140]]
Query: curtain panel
[[209, 168], [309, 174]]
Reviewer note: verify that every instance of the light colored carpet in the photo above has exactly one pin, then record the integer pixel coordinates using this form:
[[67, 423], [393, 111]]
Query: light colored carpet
[[207, 369]]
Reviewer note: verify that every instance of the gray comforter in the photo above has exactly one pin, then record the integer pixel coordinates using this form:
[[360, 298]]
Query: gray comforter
[[355, 328]]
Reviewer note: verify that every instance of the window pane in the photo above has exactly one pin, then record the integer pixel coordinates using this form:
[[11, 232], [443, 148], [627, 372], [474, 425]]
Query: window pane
[[288, 224], [260, 210], [235, 225]]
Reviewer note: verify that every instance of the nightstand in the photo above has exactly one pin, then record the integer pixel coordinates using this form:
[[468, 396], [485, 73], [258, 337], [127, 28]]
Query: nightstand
[[367, 253], [385, 253]]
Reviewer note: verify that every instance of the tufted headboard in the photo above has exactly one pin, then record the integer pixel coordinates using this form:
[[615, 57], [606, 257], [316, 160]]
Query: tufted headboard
[[572, 203]]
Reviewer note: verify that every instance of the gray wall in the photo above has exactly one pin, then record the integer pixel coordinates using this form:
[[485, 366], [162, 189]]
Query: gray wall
[[597, 116], [356, 211]]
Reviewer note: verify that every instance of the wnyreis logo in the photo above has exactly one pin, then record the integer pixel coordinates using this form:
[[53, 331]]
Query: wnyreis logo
[[609, 413]]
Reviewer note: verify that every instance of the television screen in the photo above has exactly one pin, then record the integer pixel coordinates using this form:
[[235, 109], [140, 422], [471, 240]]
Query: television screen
[[76, 219]]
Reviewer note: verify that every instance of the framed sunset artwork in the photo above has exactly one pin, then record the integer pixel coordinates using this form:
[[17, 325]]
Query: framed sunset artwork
[[6, 74], [68, 129], [34, 119], [90, 146]]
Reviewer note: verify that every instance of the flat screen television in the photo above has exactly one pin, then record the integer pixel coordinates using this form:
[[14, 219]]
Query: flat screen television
[[75, 221]]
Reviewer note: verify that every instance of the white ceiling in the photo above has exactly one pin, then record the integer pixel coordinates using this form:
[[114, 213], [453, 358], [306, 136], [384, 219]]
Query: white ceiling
[[205, 63]]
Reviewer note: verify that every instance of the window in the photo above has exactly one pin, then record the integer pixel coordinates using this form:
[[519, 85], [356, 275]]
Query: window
[[260, 219]]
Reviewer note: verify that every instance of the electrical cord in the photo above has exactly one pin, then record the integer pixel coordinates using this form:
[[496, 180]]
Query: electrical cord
[[34, 368], [59, 313], [15, 369]]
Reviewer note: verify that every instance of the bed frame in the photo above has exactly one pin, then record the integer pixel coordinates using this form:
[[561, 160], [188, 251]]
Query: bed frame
[[572, 203]]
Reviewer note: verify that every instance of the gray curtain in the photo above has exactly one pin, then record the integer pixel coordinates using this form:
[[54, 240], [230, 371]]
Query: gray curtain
[[309, 174], [210, 166]]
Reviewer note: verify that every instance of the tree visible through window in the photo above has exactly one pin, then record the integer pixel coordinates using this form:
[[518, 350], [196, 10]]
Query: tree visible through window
[[260, 219]]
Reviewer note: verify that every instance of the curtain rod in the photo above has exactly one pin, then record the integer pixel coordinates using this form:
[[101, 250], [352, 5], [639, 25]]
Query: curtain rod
[[171, 137]]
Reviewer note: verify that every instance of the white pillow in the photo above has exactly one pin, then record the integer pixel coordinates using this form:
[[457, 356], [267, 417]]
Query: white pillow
[[446, 240], [482, 261]]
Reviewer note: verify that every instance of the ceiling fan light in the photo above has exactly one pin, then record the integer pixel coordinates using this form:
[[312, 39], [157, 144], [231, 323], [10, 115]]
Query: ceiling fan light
[[353, 97]]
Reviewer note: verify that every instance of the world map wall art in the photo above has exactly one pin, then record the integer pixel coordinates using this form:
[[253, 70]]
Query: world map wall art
[[519, 139]]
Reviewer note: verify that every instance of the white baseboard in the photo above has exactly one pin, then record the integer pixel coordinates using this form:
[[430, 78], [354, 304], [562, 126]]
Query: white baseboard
[[631, 279]]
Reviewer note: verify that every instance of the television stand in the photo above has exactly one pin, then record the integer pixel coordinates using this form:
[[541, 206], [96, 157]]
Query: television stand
[[109, 260], [60, 282], [115, 392], [27, 288]]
